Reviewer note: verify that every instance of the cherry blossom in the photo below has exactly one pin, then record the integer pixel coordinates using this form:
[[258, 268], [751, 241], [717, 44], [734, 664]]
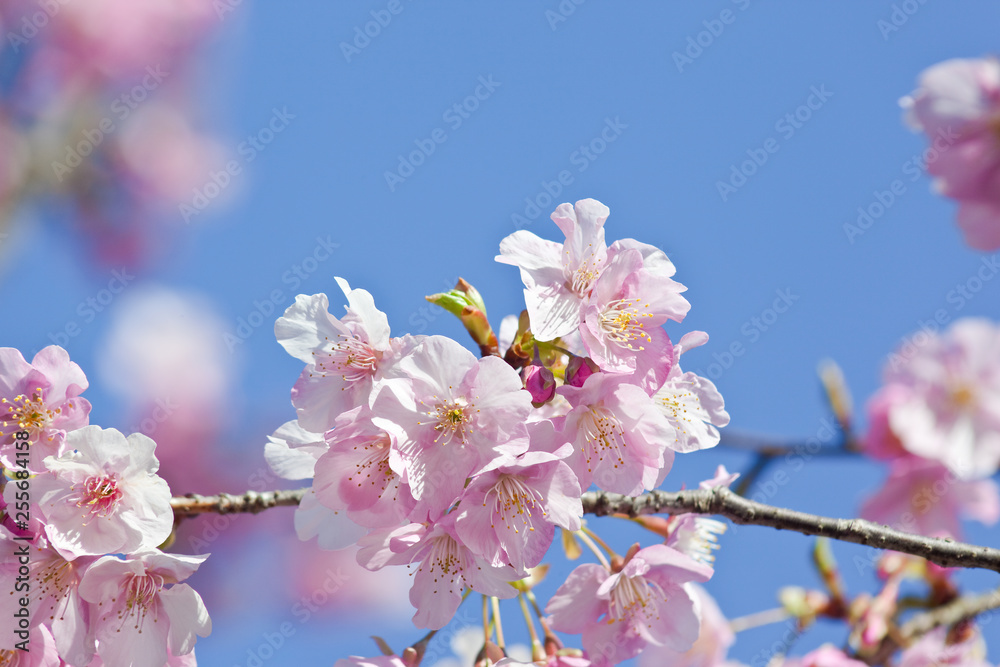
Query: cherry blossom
[[934, 650], [378, 661], [620, 613], [691, 403], [952, 410], [709, 650], [42, 398], [922, 496], [633, 297], [139, 610], [558, 278], [509, 515], [446, 567], [958, 106], [825, 656], [103, 496], [354, 473], [451, 416], [343, 356], [618, 435]]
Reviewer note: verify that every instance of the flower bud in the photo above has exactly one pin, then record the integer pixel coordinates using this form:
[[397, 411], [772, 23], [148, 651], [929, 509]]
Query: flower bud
[[539, 381], [579, 369]]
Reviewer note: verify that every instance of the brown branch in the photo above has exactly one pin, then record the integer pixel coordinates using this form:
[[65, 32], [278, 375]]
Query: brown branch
[[719, 501], [959, 609], [224, 503], [723, 502]]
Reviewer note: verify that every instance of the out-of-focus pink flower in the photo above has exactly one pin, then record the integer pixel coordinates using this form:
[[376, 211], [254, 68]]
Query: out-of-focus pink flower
[[619, 437], [378, 661], [42, 398], [645, 603], [446, 568], [559, 277], [932, 650], [952, 411], [182, 157], [452, 416], [120, 38], [825, 656], [958, 106], [712, 645], [633, 297], [508, 515], [925, 497], [691, 403], [139, 610], [42, 651], [166, 357], [103, 495], [880, 441]]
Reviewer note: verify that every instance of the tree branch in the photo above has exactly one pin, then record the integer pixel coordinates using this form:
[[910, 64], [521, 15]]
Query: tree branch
[[719, 501], [959, 609]]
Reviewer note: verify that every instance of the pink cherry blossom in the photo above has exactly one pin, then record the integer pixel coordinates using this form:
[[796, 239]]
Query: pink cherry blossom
[[446, 568], [103, 496], [691, 403], [620, 613], [709, 650], [42, 398], [558, 278], [952, 412], [633, 297], [879, 441], [378, 661], [924, 497], [825, 656], [140, 611], [958, 106], [618, 435], [354, 473], [451, 416], [343, 356], [42, 651], [292, 453], [509, 515], [934, 650]]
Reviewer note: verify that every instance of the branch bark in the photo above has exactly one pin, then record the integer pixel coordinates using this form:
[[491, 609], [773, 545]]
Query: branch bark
[[718, 501]]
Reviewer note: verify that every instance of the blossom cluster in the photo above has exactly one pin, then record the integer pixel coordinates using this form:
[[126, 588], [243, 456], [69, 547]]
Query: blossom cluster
[[83, 516], [463, 467]]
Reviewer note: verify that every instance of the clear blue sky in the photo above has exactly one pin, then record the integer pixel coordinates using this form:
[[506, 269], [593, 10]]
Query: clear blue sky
[[602, 97]]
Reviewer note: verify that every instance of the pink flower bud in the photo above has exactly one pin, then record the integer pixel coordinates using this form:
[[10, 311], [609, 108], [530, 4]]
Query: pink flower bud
[[579, 369], [540, 382]]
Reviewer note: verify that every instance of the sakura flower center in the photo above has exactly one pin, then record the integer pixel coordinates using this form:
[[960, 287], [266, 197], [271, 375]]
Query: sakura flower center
[[605, 436], [350, 357], [622, 323], [582, 280], [29, 413], [101, 495], [140, 595], [513, 502], [445, 561], [56, 578], [634, 599], [452, 420], [374, 468]]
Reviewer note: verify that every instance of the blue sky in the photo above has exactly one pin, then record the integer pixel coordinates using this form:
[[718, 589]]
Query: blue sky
[[652, 108]]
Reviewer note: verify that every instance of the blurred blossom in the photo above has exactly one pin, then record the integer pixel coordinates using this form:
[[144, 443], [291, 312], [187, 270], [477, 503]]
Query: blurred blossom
[[934, 650], [94, 104], [958, 106], [711, 647], [166, 358], [942, 399]]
